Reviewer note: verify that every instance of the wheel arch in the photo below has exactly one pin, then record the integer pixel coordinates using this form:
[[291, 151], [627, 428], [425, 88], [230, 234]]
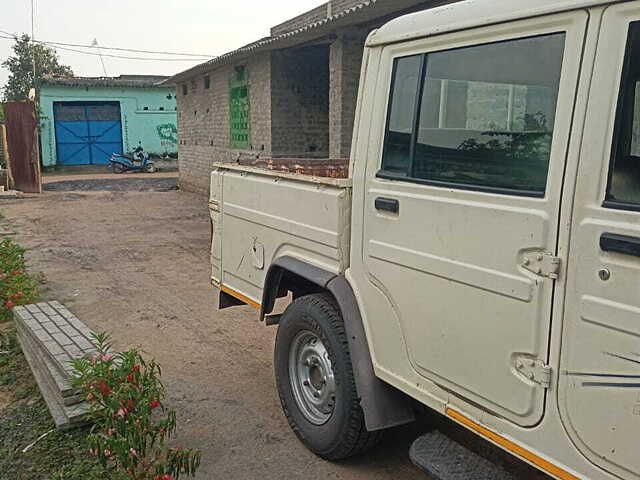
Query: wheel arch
[[383, 405]]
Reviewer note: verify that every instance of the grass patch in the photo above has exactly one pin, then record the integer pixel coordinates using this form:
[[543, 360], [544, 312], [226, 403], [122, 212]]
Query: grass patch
[[61, 454]]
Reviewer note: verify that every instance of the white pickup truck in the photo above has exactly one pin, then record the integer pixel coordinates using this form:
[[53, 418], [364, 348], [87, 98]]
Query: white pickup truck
[[481, 256]]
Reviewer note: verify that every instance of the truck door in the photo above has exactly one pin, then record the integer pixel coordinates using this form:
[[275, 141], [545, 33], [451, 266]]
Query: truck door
[[462, 205], [599, 393]]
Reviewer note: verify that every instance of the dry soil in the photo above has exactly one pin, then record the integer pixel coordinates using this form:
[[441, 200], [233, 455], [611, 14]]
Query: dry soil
[[130, 255]]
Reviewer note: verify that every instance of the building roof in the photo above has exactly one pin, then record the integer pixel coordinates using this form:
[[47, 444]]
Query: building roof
[[130, 81], [363, 12], [470, 14]]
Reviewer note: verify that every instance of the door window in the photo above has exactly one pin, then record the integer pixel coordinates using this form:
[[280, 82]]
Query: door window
[[623, 190], [478, 117], [402, 113]]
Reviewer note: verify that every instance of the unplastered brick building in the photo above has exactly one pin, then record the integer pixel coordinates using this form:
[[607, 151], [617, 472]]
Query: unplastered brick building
[[291, 95]]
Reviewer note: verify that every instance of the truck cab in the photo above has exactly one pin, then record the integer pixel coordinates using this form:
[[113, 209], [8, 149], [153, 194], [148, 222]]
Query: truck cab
[[482, 257]]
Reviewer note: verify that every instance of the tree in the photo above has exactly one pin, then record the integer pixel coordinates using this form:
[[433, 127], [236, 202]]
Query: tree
[[20, 67]]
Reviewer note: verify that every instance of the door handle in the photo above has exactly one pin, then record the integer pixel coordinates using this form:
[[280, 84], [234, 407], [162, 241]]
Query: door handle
[[612, 242], [387, 204]]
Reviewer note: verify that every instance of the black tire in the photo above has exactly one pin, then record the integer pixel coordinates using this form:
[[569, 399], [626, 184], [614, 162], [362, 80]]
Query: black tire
[[118, 168], [344, 434]]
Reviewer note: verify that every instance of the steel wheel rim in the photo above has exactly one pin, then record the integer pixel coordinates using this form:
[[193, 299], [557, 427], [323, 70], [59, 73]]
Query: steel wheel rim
[[312, 379]]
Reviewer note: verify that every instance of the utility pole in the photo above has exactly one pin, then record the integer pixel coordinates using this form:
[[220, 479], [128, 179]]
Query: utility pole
[[33, 42]]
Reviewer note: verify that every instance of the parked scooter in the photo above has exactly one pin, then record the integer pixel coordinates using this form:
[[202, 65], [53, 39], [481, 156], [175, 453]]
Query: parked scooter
[[137, 161]]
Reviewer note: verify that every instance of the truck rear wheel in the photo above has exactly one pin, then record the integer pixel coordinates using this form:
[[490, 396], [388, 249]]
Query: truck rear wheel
[[315, 379]]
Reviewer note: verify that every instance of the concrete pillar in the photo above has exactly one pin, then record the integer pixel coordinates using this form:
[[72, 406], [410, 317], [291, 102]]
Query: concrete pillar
[[345, 60]]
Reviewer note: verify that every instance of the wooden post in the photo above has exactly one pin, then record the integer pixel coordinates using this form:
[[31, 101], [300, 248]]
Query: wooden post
[[7, 160], [35, 152]]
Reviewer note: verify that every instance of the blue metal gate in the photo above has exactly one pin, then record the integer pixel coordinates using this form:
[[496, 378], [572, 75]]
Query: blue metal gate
[[87, 132]]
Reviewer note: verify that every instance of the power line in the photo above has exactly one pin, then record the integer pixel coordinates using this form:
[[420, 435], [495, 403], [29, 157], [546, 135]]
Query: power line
[[154, 59], [118, 48], [131, 58], [129, 50]]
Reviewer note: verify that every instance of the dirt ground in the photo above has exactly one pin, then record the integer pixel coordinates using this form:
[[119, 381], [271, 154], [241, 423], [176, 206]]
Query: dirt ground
[[130, 255]]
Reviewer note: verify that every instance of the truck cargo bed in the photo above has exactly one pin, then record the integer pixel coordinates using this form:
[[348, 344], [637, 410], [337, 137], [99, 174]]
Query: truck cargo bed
[[262, 212]]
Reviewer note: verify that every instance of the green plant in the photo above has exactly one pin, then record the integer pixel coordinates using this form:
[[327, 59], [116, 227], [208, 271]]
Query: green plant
[[25, 418], [16, 285], [131, 423]]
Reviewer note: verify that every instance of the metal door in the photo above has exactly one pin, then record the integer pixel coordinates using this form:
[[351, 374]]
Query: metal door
[[87, 132], [22, 146], [462, 208], [599, 393]]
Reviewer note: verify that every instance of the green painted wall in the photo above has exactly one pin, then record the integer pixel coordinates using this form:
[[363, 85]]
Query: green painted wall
[[155, 129]]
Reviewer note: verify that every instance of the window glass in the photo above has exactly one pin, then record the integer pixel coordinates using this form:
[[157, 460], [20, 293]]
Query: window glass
[[402, 113], [624, 181], [487, 115], [105, 112], [69, 113]]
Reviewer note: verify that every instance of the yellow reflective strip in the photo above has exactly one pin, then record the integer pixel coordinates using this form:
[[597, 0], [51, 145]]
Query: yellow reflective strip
[[240, 297], [512, 447]]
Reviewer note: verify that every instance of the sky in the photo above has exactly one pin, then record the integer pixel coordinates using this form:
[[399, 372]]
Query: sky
[[208, 27]]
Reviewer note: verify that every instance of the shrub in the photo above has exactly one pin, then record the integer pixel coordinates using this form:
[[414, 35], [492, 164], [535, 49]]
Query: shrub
[[16, 286], [131, 423]]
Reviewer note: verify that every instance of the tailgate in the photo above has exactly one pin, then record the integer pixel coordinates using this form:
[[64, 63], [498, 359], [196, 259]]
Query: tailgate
[[259, 215]]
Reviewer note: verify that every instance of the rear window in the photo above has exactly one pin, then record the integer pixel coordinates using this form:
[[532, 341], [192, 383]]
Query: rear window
[[478, 117]]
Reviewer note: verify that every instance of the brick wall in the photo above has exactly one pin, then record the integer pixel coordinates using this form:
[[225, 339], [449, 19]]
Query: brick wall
[[203, 121], [345, 63], [300, 102]]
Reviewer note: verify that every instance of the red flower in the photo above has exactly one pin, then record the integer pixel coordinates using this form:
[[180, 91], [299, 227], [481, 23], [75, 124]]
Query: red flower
[[166, 476], [8, 304], [155, 403], [131, 378], [16, 272], [130, 404], [104, 388], [136, 368]]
